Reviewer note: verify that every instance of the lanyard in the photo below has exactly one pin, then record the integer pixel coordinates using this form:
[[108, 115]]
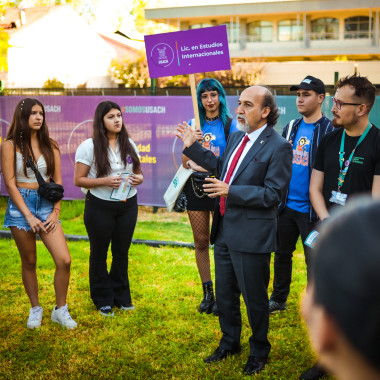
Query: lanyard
[[343, 172]]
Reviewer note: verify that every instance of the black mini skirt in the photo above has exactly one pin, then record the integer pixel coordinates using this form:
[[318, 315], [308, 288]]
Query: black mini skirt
[[196, 203]]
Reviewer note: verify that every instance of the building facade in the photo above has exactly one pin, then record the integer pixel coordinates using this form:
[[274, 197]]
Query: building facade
[[293, 38]]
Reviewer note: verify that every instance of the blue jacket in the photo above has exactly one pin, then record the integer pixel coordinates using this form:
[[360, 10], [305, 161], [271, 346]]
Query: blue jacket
[[322, 127]]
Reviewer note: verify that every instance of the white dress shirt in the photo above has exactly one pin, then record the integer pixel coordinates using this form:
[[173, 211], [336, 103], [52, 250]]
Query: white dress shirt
[[253, 136]]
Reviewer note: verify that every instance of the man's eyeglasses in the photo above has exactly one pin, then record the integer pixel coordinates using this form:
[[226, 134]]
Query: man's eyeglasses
[[338, 104]]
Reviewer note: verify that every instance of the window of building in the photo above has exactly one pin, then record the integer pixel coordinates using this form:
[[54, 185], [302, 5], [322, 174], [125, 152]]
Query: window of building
[[233, 31], [260, 31], [357, 27], [290, 30], [325, 29], [202, 25]]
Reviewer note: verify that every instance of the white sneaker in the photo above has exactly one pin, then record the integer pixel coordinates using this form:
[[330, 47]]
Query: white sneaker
[[35, 317], [63, 317]]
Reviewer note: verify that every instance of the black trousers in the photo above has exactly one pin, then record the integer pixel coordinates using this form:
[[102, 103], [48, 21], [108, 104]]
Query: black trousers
[[247, 274], [291, 225], [109, 222]]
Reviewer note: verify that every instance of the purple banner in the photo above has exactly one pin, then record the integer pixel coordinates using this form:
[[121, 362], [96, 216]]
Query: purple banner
[[188, 52], [151, 122]]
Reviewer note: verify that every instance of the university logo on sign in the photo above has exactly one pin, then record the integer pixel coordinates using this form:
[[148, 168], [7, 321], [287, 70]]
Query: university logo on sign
[[162, 55]]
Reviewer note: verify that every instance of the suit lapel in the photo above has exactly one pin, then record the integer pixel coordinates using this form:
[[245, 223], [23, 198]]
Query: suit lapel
[[255, 148]]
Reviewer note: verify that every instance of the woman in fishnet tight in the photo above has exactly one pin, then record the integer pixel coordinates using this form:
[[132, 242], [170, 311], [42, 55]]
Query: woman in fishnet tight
[[214, 120], [200, 224]]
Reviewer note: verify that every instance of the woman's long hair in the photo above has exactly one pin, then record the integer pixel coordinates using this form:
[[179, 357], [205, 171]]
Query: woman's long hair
[[19, 133], [211, 84], [101, 143]]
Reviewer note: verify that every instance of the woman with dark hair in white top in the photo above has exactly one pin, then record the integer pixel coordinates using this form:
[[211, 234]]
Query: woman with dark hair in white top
[[108, 166], [28, 212]]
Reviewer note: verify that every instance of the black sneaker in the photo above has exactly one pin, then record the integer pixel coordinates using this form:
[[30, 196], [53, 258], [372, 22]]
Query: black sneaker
[[106, 311], [314, 373], [276, 307]]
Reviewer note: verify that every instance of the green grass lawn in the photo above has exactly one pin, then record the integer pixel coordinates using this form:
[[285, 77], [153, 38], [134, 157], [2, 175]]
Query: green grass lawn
[[163, 338]]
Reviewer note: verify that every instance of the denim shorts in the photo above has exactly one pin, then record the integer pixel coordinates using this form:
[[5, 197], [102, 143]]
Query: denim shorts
[[38, 206]]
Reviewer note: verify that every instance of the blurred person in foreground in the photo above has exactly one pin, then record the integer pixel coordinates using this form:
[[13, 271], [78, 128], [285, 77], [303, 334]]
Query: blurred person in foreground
[[342, 307], [254, 172]]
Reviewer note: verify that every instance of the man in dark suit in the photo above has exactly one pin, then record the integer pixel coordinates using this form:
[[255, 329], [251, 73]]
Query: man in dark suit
[[254, 173]]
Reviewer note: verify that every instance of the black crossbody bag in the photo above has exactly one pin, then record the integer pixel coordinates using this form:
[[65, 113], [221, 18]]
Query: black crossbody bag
[[51, 191], [198, 179]]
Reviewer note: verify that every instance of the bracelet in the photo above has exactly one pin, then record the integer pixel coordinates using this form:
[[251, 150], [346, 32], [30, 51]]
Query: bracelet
[[59, 210], [31, 218]]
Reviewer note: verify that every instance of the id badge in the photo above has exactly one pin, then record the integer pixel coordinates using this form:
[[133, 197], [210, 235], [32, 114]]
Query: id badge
[[338, 198]]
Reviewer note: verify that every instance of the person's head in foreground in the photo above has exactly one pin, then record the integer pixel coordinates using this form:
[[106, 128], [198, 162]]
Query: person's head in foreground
[[342, 307]]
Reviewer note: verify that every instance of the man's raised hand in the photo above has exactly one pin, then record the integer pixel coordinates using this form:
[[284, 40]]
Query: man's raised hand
[[186, 134]]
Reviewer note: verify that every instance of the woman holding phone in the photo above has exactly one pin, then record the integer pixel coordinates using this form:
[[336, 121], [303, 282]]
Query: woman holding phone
[[103, 164]]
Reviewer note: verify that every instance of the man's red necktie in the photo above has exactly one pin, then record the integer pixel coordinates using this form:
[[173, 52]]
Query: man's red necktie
[[231, 170]]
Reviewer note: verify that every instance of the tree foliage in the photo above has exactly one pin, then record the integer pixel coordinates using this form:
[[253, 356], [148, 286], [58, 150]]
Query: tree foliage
[[53, 83], [131, 73], [143, 25], [4, 45]]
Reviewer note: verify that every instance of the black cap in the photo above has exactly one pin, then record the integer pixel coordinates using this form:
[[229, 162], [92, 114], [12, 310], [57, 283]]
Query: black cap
[[311, 83]]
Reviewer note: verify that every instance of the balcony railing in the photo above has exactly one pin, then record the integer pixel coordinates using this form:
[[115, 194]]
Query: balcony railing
[[357, 35], [324, 36], [348, 35]]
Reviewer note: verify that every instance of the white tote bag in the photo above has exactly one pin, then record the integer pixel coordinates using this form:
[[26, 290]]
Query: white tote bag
[[178, 182], [176, 186]]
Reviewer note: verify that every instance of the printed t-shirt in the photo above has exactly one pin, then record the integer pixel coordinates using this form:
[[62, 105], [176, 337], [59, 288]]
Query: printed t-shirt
[[298, 195], [214, 137]]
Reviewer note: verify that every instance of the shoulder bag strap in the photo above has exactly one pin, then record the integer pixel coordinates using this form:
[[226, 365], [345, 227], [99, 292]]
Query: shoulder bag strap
[[38, 175], [227, 127], [290, 127]]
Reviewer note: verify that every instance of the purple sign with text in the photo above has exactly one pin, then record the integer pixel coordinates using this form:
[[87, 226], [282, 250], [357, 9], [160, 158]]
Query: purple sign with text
[[188, 52]]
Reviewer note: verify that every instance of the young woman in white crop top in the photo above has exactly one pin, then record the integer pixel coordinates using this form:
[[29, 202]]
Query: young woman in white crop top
[[105, 163], [28, 212]]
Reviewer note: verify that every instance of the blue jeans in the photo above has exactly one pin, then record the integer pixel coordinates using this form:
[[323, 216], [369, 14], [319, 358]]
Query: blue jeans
[[40, 207]]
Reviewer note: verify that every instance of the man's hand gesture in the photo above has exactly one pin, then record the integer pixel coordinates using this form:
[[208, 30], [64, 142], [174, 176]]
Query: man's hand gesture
[[186, 134]]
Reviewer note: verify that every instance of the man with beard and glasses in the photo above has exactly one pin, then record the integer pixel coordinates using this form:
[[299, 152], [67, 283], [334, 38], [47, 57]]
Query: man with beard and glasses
[[348, 159], [254, 172], [296, 215]]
